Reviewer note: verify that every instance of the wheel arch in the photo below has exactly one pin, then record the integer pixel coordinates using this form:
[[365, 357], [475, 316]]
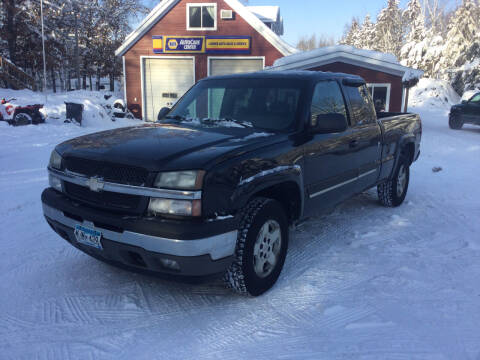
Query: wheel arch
[[286, 193]]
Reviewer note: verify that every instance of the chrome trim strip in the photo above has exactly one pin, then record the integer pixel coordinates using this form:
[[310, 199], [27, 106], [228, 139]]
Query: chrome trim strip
[[218, 247], [269, 172], [128, 189], [321, 192]]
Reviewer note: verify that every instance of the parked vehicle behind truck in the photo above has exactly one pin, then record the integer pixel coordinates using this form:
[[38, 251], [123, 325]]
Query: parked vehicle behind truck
[[468, 112], [214, 186]]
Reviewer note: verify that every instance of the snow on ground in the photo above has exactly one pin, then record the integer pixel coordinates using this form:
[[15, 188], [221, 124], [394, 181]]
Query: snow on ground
[[95, 112], [363, 282]]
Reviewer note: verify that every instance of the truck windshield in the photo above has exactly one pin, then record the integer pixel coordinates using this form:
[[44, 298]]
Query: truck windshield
[[269, 104]]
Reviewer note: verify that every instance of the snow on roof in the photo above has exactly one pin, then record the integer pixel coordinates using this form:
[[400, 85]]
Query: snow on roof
[[265, 13], [348, 54], [165, 6]]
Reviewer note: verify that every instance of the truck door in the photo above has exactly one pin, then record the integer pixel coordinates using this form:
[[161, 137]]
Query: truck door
[[367, 145], [472, 109], [330, 162]]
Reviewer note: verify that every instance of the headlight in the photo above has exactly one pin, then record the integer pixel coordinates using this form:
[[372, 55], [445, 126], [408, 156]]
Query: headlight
[[175, 207], [55, 182], [55, 160], [181, 180]]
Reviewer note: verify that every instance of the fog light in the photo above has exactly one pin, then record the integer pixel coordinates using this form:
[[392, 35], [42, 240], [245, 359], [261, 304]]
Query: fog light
[[55, 182], [170, 264]]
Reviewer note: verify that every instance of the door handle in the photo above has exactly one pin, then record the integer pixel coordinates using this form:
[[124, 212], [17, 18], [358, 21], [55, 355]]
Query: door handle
[[353, 144]]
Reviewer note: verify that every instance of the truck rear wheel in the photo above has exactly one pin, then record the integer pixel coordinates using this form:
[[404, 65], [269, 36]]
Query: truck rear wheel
[[261, 248], [392, 192]]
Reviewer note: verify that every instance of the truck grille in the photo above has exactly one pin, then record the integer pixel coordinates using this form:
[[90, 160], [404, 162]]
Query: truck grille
[[105, 199], [116, 173]]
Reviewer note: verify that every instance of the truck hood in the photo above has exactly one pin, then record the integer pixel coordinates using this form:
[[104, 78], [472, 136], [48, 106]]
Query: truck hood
[[164, 147]]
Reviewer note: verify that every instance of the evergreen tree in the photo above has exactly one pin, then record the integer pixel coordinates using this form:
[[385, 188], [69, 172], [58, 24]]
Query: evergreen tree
[[367, 34], [389, 29]]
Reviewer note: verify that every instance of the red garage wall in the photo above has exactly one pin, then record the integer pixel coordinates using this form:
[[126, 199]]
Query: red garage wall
[[371, 76], [174, 23]]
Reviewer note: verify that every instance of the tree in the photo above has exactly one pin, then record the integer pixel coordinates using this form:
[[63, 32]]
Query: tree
[[367, 34], [389, 29], [462, 45], [414, 25], [351, 35], [306, 43]]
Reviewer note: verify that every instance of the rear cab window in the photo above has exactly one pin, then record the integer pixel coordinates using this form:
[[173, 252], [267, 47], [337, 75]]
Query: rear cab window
[[361, 105], [327, 99]]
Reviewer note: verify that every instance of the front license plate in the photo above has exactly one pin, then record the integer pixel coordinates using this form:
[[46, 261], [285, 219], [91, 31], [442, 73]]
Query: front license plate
[[88, 236]]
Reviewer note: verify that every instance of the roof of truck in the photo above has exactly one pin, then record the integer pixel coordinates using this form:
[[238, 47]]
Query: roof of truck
[[288, 74]]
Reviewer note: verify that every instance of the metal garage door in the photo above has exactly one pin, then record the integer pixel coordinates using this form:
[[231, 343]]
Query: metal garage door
[[165, 80], [233, 66]]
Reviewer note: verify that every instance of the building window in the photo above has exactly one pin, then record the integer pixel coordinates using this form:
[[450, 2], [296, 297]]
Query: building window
[[202, 16], [380, 95]]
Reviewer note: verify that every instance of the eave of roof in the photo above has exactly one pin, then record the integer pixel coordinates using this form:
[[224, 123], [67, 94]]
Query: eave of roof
[[166, 5], [348, 55]]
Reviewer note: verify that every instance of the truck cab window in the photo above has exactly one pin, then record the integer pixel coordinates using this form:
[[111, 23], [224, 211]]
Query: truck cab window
[[327, 98], [363, 111]]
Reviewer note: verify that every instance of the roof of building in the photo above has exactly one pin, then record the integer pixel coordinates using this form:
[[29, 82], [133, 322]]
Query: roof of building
[[347, 54], [265, 13], [159, 11]]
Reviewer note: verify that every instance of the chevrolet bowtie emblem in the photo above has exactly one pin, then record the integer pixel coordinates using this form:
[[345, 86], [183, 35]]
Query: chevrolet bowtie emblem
[[96, 184]]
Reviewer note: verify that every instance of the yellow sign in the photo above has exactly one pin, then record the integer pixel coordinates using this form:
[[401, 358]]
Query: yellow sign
[[226, 44], [158, 44]]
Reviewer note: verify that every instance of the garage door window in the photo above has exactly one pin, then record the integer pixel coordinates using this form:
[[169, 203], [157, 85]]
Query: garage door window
[[201, 16]]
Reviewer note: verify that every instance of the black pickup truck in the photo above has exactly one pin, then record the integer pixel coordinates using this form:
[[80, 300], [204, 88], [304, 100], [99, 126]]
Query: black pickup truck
[[214, 185], [468, 112]]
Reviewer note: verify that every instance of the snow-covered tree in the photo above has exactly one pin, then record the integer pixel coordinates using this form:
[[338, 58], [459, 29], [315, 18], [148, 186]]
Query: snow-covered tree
[[389, 29], [352, 34], [414, 49], [461, 55], [367, 34]]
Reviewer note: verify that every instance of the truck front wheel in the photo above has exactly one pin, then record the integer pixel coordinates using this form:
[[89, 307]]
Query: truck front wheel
[[455, 122], [261, 247], [392, 192]]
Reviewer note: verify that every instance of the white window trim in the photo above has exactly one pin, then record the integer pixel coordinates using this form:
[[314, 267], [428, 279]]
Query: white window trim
[[209, 58], [214, 28], [124, 83], [142, 72], [388, 86]]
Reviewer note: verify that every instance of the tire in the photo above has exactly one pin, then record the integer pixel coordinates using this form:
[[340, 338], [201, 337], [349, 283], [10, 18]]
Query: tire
[[455, 122], [252, 272], [392, 192], [22, 118]]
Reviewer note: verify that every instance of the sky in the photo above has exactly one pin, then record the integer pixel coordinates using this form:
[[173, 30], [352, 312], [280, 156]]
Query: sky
[[322, 17]]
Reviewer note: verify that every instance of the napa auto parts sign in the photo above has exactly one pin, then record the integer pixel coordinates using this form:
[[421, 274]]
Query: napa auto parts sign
[[202, 44]]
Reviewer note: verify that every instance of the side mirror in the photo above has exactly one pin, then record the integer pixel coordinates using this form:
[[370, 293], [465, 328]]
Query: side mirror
[[163, 112], [329, 123], [464, 101]]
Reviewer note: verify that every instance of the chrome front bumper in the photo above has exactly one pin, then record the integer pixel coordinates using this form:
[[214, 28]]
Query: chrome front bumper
[[218, 246]]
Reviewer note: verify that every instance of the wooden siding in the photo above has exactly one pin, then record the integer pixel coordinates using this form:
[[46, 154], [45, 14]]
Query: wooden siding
[[174, 23], [371, 76]]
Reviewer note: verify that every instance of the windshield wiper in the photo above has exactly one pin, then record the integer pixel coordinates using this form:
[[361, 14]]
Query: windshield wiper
[[239, 122]]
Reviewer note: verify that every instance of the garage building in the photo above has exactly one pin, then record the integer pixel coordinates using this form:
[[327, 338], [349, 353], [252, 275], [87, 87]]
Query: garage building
[[183, 41], [387, 80]]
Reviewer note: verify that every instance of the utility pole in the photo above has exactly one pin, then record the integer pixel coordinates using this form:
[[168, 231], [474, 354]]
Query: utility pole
[[77, 68], [43, 51]]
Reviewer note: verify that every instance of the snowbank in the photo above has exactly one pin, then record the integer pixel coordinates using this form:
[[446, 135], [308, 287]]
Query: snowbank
[[95, 113], [433, 93]]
